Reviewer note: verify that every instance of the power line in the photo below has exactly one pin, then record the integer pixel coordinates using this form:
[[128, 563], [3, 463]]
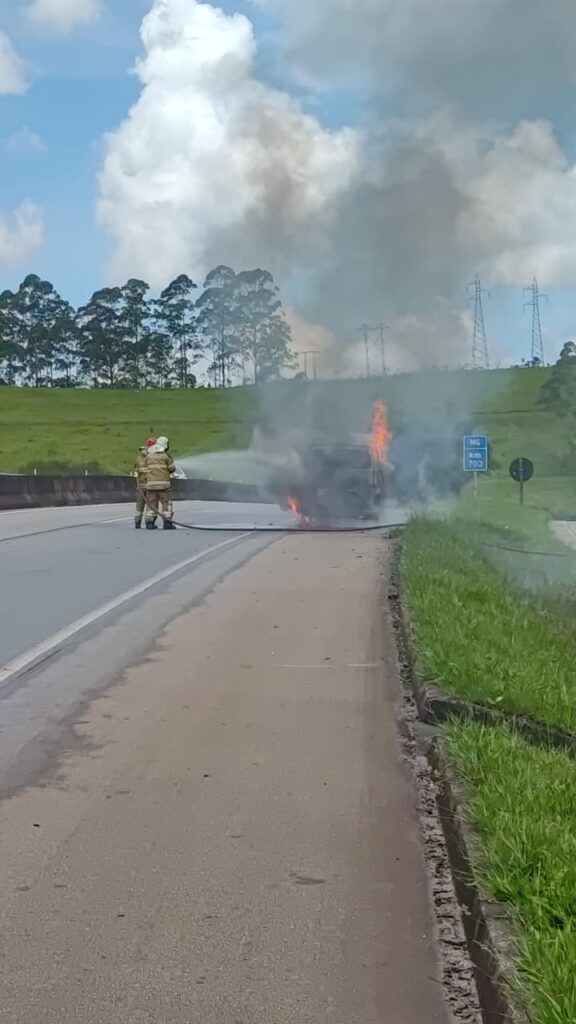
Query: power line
[[480, 357], [537, 358]]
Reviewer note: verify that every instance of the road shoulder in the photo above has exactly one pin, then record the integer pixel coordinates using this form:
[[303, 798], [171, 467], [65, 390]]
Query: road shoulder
[[237, 838]]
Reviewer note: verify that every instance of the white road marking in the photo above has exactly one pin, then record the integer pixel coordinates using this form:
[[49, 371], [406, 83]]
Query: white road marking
[[59, 508], [123, 519], [331, 666], [27, 659], [19, 511], [307, 666]]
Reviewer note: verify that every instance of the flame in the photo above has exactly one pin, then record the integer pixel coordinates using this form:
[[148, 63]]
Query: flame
[[381, 434], [293, 505]]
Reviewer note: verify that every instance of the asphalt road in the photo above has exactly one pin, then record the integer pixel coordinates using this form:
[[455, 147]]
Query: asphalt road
[[205, 811]]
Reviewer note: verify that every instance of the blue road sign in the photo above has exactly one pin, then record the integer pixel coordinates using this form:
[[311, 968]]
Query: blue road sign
[[475, 453]]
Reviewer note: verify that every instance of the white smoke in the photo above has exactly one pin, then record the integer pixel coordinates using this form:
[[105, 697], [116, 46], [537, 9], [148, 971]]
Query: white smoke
[[385, 223], [12, 71], [21, 234], [211, 163], [61, 16], [440, 200]]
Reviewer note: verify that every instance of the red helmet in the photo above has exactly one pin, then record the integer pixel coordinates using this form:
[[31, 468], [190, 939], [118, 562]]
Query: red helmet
[[151, 442]]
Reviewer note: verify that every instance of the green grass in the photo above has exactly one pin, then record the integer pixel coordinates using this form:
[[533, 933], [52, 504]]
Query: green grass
[[498, 504], [498, 627], [476, 637], [522, 802], [79, 428], [103, 428]]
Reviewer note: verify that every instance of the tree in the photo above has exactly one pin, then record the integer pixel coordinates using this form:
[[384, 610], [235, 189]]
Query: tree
[[175, 317], [34, 312], [8, 347], [264, 332], [219, 322], [65, 336], [558, 394], [102, 352], [274, 349], [134, 316], [162, 371]]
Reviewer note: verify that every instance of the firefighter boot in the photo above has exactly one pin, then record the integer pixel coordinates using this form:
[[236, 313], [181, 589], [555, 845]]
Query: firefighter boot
[[169, 525], [151, 525], [137, 525]]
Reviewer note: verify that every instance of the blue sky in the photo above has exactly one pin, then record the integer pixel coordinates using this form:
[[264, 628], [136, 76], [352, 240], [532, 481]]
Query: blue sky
[[81, 88]]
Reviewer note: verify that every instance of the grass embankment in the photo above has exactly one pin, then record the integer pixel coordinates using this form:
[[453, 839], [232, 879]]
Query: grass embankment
[[476, 637], [504, 640], [522, 802], [102, 430]]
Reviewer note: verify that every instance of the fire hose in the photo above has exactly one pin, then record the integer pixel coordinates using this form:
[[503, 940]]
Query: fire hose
[[308, 528]]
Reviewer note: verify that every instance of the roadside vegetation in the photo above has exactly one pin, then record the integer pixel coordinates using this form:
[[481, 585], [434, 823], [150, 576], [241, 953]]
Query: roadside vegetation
[[476, 637], [125, 337], [492, 598], [59, 428], [522, 802], [63, 431], [497, 627]]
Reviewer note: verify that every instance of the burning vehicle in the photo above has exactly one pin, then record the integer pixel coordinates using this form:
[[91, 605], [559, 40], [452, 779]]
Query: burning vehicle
[[333, 477]]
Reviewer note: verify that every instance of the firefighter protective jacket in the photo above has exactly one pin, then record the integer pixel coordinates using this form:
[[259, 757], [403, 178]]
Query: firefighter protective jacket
[[159, 468]]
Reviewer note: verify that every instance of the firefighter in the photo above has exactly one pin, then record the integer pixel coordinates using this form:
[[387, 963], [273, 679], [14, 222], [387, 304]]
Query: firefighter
[[140, 474], [160, 467]]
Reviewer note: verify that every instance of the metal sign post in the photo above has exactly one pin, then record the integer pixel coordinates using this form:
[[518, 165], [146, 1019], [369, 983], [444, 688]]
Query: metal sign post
[[521, 470], [475, 456]]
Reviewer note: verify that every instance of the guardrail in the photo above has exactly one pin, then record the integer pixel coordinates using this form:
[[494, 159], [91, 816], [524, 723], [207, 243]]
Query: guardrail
[[18, 492]]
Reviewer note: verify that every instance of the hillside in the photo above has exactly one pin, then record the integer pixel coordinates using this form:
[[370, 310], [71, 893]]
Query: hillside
[[101, 430]]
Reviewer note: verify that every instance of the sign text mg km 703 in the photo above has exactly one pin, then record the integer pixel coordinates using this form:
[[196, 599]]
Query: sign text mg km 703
[[475, 453]]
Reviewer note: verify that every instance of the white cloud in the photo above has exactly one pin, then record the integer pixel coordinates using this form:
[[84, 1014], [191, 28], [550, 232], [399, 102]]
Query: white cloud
[[23, 140], [212, 164], [12, 71], [61, 16], [21, 234]]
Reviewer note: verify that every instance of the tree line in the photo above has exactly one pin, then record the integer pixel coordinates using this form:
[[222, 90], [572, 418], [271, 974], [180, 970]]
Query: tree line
[[126, 338]]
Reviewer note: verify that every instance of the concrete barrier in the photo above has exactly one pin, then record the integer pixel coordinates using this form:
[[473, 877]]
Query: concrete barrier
[[49, 491]]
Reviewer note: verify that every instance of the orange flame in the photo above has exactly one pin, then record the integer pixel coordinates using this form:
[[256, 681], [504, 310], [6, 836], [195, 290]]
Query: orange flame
[[293, 505], [381, 434]]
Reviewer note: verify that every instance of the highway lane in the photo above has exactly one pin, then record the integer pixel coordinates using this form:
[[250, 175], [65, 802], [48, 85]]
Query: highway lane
[[205, 813], [72, 563], [25, 522], [61, 565]]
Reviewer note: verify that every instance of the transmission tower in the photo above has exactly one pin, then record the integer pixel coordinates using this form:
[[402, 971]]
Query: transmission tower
[[364, 331], [537, 358], [480, 357]]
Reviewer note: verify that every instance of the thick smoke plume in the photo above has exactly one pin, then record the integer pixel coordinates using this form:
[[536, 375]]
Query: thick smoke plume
[[496, 59], [212, 164], [456, 166]]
